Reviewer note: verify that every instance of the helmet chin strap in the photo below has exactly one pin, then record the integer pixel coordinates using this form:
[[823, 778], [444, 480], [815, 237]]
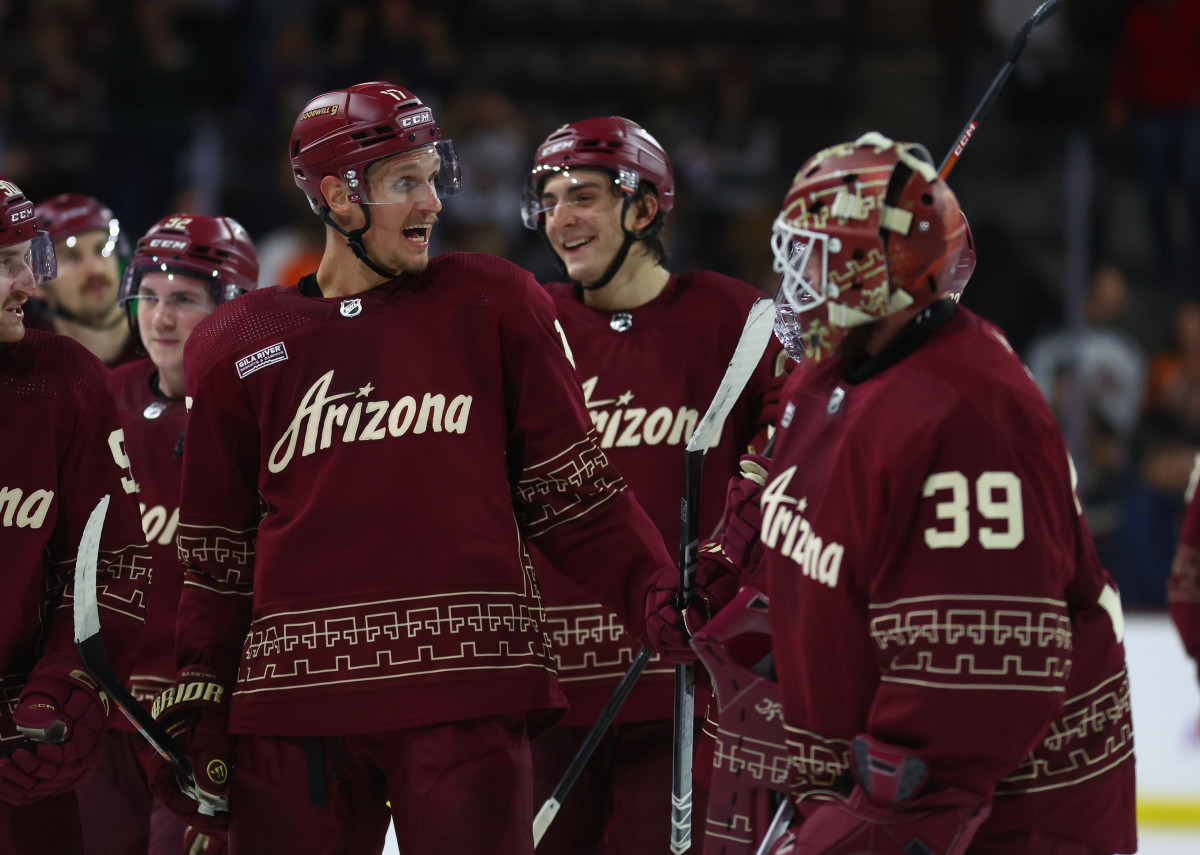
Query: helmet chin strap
[[623, 252], [354, 240]]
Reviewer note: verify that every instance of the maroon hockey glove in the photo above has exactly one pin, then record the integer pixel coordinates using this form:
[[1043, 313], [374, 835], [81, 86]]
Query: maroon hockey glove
[[201, 843], [669, 632], [742, 524], [886, 814], [63, 716], [195, 712]]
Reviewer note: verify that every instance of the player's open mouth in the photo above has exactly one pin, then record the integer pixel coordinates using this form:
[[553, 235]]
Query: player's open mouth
[[418, 235], [17, 310], [571, 245]]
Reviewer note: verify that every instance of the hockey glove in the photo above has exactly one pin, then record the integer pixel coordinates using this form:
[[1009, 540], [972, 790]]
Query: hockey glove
[[200, 843], [669, 632], [741, 526], [195, 712], [887, 814], [62, 715]]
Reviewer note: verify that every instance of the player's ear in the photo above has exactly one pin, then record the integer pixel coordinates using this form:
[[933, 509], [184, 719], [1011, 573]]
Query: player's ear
[[644, 209], [337, 195]]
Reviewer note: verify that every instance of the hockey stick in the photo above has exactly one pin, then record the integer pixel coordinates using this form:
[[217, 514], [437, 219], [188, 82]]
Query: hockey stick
[[746, 355], [550, 807], [1040, 14], [94, 658]]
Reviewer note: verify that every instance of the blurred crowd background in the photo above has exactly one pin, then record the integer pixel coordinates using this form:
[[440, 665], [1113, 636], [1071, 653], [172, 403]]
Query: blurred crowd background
[[1082, 185]]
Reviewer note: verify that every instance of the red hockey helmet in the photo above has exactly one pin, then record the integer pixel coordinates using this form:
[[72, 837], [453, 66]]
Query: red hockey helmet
[[612, 143], [344, 131], [867, 229], [69, 214], [19, 223], [215, 250]]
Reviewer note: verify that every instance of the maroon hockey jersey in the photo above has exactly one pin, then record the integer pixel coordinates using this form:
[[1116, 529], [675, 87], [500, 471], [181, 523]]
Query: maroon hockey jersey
[[933, 585], [65, 451], [154, 427], [360, 478], [1183, 588], [648, 376]]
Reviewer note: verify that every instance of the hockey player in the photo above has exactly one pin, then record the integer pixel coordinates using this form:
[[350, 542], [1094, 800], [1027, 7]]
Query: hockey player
[[182, 269], [950, 665], [60, 427], [1183, 587], [599, 192], [82, 299], [367, 454]]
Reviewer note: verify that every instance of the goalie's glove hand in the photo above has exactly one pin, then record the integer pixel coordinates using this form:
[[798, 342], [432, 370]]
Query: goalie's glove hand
[[741, 525], [203, 843], [669, 631], [62, 713], [195, 712], [887, 812]]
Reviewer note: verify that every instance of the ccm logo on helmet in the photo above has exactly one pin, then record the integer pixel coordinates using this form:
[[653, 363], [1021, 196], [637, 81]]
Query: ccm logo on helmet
[[416, 120], [168, 243], [558, 146], [20, 214]]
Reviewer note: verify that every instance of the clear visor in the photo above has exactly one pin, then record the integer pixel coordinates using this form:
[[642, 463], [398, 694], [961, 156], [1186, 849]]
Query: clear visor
[[182, 301], [27, 264], [410, 176], [535, 204]]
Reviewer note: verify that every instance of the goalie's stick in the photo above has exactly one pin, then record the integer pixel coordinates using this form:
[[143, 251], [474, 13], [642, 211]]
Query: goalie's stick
[[746, 356], [550, 807], [94, 658], [1040, 14]]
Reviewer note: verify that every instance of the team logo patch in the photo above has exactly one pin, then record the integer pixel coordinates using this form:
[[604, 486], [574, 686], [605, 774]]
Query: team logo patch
[[835, 401], [788, 412], [247, 365], [154, 410], [621, 321], [351, 308]]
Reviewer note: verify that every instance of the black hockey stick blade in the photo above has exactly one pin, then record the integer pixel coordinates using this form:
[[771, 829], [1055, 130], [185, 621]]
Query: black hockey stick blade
[[93, 656], [1044, 11], [550, 807]]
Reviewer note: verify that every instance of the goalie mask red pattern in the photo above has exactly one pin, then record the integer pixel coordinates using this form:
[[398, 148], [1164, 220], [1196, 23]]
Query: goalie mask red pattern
[[617, 145], [215, 250], [344, 131], [867, 229]]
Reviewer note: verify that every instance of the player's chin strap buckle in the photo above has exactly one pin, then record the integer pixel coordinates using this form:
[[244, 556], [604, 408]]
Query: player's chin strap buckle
[[209, 802]]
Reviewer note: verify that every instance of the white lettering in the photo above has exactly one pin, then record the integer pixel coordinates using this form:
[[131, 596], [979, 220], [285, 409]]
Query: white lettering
[[25, 511]]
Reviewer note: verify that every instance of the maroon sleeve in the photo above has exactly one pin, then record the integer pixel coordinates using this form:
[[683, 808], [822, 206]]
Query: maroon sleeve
[[969, 607], [572, 503], [94, 465], [1183, 588], [218, 514]]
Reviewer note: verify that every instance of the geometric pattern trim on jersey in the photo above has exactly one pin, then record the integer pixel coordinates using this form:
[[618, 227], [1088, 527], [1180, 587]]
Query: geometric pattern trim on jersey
[[975, 642], [589, 643], [1094, 733], [545, 486], [396, 638]]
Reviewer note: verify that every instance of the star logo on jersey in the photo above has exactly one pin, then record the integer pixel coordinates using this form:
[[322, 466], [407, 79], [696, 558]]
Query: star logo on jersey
[[621, 321], [154, 410], [351, 308]]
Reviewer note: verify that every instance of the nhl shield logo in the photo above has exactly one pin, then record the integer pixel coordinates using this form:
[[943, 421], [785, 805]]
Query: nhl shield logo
[[621, 321], [154, 410], [351, 308]]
